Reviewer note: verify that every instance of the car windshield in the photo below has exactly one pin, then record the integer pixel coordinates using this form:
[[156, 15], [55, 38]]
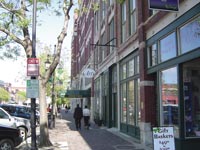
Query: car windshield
[[3, 115]]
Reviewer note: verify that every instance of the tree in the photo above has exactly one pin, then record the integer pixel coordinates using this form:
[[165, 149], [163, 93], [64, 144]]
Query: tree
[[21, 95], [15, 25], [4, 95]]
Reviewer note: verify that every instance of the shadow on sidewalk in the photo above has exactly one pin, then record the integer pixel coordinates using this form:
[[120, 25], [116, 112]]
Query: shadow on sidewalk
[[96, 138]]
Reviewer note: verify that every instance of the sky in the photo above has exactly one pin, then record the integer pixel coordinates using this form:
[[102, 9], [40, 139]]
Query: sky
[[47, 32]]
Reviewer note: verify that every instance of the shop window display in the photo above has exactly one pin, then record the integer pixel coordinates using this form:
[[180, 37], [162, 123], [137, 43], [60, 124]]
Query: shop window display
[[191, 90]]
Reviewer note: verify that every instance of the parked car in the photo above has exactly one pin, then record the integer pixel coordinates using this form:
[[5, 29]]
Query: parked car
[[20, 111], [16, 122], [9, 137]]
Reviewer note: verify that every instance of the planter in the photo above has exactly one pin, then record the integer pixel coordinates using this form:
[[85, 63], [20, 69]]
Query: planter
[[98, 122]]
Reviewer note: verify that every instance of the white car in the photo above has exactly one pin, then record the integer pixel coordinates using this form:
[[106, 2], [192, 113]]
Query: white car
[[23, 124]]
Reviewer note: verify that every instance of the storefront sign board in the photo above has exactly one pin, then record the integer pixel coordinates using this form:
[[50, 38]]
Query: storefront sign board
[[163, 138]]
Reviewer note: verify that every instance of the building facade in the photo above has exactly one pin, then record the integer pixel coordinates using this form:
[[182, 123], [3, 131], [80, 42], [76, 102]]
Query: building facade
[[147, 68]]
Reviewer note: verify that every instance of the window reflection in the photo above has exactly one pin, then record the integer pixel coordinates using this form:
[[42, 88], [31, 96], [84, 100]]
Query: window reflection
[[169, 96], [168, 47], [190, 36]]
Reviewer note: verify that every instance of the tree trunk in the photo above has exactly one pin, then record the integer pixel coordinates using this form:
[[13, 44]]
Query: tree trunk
[[44, 132]]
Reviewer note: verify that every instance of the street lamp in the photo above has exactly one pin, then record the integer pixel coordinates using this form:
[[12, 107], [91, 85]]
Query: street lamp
[[47, 63]]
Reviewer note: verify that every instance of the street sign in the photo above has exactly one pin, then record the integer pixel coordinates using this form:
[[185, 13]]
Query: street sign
[[32, 67], [32, 88]]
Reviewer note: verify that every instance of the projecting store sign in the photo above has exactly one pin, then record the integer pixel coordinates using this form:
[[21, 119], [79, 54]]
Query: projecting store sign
[[167, 5], [32, 67], [88, 73]]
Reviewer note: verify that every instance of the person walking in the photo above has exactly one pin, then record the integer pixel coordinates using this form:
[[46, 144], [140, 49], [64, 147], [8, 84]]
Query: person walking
[[78, 114], [86, 116]]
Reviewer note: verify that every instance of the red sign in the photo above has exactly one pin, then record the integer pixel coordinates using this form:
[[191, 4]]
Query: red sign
[[32, 67]]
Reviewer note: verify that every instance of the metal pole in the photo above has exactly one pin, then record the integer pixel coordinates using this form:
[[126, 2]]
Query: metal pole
[[53, 111], [33, 103]]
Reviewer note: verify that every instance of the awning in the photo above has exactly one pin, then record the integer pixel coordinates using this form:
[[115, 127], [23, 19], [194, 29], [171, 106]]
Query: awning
[[78, 93]]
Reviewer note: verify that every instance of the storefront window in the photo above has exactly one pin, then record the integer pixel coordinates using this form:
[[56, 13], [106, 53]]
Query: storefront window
[[124, 103], [138, 101], [131, 68], [131, 102], [124, 71], [137, 66], [190, 36], [168, 48], [169, 99], [191, 90]]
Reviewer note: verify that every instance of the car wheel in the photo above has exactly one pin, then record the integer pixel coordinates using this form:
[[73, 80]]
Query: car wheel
[[23, 133], [6, 144]]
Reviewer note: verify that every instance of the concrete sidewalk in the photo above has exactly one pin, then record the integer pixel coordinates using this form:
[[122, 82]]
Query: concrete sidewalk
[[65, 137]]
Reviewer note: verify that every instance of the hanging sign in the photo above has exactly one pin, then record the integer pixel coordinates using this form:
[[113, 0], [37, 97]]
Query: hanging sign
[[88, 73], [167, 5], [163, 138]]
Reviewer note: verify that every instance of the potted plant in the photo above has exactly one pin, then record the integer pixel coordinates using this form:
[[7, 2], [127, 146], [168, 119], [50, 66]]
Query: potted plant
[[97, 119]]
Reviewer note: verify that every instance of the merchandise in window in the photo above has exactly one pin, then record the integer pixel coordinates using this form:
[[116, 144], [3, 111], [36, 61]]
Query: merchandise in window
[[191, 91]]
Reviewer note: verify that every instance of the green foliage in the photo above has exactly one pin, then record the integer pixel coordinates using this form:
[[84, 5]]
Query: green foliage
[[120, 1], [4, 95]]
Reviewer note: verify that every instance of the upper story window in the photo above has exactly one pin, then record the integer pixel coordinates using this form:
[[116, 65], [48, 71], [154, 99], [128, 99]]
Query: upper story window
[[103, 9], [103, 49], [132, 13], [111, 35], [123, 22], [190, 36], [96, 23], [168, 47]]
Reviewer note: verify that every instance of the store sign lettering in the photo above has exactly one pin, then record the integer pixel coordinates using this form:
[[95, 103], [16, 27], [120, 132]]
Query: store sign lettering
[[163, 138], [88, 73]]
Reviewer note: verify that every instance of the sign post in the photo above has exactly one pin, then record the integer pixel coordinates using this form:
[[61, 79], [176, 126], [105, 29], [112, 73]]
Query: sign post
[[163, 138]]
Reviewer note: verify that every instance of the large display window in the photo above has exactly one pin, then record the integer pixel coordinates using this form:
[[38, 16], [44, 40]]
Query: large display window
[[191, 91], [169, 99]]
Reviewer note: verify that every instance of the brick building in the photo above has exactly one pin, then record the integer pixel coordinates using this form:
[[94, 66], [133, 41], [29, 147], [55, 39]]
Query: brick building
[[146, 64]]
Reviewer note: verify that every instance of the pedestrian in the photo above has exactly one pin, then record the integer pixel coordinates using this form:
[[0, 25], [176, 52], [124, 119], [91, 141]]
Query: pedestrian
[[78, 114], [86, 116]]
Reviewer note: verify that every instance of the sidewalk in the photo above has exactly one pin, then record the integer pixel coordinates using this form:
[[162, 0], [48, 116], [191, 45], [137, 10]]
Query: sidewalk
[[65, 137]]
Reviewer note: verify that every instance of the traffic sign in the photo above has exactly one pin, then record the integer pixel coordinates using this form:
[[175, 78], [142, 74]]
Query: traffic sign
[[32, 88], [32, 67]]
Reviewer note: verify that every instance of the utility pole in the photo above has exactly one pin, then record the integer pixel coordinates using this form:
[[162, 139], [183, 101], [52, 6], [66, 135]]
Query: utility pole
[[33, 100]]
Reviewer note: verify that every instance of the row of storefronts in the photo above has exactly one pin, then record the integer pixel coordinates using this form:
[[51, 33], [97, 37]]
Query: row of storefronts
[[152, 80]]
